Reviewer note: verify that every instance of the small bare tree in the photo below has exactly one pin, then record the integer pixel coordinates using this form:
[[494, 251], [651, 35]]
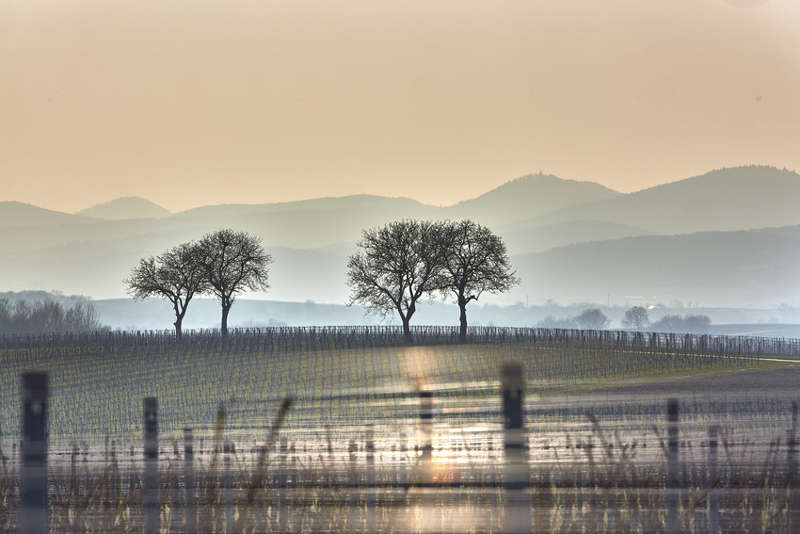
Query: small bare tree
[[176, 275], [395, 267], [592, 319], [636, 318], [234, 262], [476, 262]]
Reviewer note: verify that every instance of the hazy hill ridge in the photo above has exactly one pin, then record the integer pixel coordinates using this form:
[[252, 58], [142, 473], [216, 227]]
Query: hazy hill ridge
[[756, 268], [529, 196], [724, 199], [126, 208], [18, 214], [310, 239]]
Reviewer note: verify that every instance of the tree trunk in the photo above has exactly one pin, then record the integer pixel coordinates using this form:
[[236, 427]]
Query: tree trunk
[[406, 327], [463, 321], [224, 324], [178, 327]]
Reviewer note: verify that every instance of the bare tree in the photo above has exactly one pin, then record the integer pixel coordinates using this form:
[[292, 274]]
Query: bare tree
[[396, 266], [636, 318], [177, 275], [476, 262], [592, 319], [234, 262]]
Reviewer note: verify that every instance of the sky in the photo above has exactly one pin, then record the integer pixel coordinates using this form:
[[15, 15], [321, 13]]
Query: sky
[[194, 103]]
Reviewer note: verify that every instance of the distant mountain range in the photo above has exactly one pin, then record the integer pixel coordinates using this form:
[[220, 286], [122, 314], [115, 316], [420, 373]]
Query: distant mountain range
[[569, 240], [738, 198], [752, 268]]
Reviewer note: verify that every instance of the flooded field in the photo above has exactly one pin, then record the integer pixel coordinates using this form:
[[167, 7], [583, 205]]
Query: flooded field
[[411, 439]]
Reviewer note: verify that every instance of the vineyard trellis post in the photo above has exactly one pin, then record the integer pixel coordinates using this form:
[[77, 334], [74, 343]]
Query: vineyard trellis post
[[713, 473], [34, 516], [516, 478], [151, 500], [188, 482], [672, 466]]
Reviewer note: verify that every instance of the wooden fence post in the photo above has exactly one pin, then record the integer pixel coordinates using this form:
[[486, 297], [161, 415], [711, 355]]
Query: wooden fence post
[[151, 500], [672, 466], [713, 474], [516, 477], [188, 482], [34, 510]]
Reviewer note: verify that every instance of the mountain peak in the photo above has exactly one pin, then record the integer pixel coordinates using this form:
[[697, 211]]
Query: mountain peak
[[126, 208], [530, 196]]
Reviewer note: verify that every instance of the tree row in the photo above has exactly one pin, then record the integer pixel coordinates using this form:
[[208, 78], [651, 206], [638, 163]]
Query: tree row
[[395, 266]]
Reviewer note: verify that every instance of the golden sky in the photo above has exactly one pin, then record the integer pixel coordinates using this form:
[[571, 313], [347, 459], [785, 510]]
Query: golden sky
[[196, 102]]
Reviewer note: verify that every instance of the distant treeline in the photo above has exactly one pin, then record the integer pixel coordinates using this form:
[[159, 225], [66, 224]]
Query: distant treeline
[[635, 319], [23, 317], [677, 323]]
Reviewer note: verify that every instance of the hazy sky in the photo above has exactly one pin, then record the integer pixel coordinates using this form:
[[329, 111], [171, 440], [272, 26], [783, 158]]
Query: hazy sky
[[198, 102]]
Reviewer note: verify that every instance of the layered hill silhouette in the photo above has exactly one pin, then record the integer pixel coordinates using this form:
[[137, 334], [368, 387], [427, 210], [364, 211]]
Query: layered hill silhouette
[[126, 208], [19, 215], [530, 196], [724, 199], [752, 268], [569, 240]]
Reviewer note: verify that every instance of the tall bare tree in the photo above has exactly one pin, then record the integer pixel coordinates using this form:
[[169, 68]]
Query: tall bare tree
[[177, 275], [395, 266], [475, 262], [234, 262]]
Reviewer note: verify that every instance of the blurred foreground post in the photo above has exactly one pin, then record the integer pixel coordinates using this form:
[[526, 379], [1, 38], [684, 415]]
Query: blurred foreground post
[[353, 497], [152, 515], [672, 466], [131, 480], [794, 486], [515, 475], [188, 481], [426, 422], [228, 490], [372, 525], [713, 494], [34, 512], [283, 481]]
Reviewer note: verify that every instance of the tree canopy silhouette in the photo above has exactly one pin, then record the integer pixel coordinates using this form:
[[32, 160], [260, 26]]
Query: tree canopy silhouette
[[396, 265], [176, 275], [475, 262], [636, 318], [592, 319], [233, 262]]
